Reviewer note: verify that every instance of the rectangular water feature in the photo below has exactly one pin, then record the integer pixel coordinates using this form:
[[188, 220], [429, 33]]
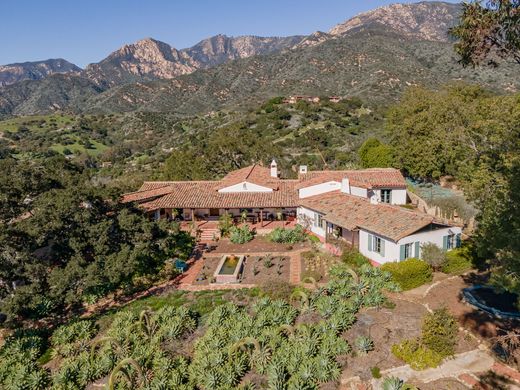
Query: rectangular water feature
[[229, 269]]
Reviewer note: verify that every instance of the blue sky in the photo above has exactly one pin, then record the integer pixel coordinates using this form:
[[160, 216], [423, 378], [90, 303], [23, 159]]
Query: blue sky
[[85, 31]]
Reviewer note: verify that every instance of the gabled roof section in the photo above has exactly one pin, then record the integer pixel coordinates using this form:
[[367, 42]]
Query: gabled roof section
[[255, 173], [203, 195], [365, 178], [147, 192], [353, 212]]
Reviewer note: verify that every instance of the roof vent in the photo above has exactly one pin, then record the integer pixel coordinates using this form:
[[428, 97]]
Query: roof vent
[[303, 169]]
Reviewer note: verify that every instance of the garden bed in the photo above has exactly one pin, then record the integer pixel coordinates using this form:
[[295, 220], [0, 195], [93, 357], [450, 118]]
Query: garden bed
[[316, 264], [256, 269], [259, 244]]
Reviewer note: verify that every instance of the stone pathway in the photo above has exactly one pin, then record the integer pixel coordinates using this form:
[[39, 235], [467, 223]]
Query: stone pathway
[[465, 363], [461, 367]]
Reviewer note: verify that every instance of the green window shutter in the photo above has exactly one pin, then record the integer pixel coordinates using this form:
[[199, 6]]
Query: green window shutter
[[445, 242], [370, 238], [458, 240], [417, 252], [382, 253], [401, 252]]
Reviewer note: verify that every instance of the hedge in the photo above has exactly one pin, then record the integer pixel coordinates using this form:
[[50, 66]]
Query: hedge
[[457, 261], [410, 273]]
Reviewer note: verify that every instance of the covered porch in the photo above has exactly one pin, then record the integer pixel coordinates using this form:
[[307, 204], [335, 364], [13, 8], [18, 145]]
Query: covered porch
[[338, 234], [261, 217]]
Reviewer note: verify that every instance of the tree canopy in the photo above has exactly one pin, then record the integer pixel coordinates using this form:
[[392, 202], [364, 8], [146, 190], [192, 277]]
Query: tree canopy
[[488, 31], [65, 241], [473, 135]]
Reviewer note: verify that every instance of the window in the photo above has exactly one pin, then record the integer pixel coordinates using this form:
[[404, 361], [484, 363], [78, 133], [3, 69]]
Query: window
[[377, 244], [450, 242], [408, 250], [318, 220], [386, 196]]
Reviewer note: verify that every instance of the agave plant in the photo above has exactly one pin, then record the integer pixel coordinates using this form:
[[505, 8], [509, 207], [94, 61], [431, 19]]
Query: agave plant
[[364, 344], [393, 383], [121, 369], [303, 298]]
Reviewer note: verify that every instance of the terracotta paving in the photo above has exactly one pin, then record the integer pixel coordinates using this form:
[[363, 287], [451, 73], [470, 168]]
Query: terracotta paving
[[509, 372], [190, 275]]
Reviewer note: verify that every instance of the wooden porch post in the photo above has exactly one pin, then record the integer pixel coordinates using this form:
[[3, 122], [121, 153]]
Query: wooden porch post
[[261, 217], [192, 215]]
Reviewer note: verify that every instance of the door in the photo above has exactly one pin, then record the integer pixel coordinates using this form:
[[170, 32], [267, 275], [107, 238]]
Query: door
[[213, 213]]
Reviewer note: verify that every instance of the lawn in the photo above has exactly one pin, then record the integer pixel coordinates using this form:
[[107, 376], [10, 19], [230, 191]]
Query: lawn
[[96, 149], [37, 122]]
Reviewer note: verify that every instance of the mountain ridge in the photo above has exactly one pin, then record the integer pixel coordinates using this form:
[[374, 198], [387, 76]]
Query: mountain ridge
[[376, 60], [34, 70]]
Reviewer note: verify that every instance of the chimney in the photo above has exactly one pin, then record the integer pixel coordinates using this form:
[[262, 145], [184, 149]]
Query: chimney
[[274, 169], [303, 169], [373, 199], [345, 185]]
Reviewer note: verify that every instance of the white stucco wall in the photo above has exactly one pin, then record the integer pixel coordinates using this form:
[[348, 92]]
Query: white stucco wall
[[246, 186], [319, 189], [433, 236], [398, 195], [358, 191], [392, 249], [306, 215]]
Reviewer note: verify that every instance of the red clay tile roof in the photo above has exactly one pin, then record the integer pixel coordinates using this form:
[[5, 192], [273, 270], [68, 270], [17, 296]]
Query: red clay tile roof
[[364, 178], [353, 212], [202, 194], [147, 193], [256, 174]]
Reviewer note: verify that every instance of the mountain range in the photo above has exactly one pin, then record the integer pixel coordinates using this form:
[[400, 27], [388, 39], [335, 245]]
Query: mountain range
[[375, 55], [13, 73]]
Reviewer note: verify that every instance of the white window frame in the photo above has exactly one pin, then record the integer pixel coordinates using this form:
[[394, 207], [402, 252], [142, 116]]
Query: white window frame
[[377, 244], [451, 241], [388, 197], [318, 220], [408, 250]]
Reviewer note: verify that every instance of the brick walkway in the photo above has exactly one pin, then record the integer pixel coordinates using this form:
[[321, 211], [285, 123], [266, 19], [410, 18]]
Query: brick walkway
[[295, 268]]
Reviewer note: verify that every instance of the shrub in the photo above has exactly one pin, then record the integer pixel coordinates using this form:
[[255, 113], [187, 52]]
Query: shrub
[[433, 255], [439, 332], [313, 239], [225, 223], [277, 289], [418, 356], [353, 258], [376, 372], [457, 261], [288, 236], [241, 235], [410, 273], [437, 341]]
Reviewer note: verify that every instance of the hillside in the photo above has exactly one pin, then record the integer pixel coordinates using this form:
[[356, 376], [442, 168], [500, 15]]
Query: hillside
[[376, 66], [37, 70], [375, 56]]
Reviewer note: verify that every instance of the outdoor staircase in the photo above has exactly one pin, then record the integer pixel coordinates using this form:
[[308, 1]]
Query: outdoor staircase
[[207, 234]]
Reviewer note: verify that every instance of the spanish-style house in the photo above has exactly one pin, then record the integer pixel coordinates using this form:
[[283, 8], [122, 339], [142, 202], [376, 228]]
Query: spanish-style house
[[364, 208]]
